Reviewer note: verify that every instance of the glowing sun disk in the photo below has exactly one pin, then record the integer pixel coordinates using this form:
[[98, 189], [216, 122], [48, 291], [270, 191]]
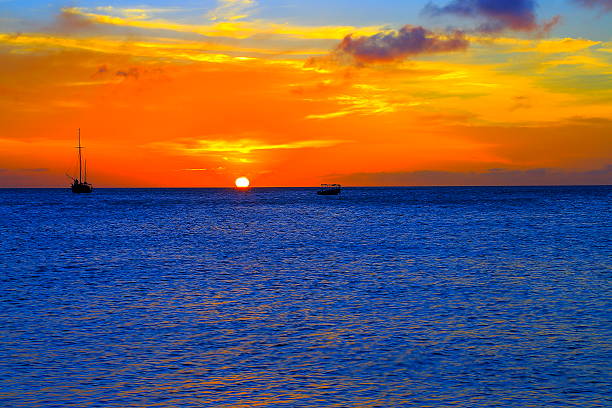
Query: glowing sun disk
[[242, 182]]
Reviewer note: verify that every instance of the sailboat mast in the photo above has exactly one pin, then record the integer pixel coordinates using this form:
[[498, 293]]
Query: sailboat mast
[[80, 171], [85, 171]]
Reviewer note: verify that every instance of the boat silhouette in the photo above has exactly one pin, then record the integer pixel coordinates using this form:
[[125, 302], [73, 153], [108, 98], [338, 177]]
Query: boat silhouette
[[330, 189], [80, 185]]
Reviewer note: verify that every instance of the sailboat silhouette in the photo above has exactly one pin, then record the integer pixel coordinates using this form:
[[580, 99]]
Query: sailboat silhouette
[[80, 185]]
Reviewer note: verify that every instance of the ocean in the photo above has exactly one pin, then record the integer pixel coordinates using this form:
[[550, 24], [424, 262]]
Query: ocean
[[277, 297]]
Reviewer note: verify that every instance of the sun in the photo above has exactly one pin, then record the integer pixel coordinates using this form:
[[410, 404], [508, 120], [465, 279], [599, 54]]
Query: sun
[[242, 182]]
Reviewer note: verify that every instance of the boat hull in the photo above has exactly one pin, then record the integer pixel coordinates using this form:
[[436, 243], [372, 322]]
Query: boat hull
[[329, 192], [81, 188]]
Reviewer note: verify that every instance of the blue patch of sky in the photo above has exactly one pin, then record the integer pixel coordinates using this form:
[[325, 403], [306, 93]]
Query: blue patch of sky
[[577, 21]]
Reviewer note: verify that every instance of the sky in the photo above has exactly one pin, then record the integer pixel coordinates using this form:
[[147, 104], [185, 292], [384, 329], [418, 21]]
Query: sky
[[298, 93]]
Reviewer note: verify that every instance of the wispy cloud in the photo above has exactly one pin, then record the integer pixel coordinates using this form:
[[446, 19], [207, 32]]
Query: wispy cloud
[[557, 45], [330, 115], [231, 10], [155, 48], [606, 5], [228, 29], [243, 146], [582, 60], [368, 103], [137, 12], [538, 45], [491, 177]]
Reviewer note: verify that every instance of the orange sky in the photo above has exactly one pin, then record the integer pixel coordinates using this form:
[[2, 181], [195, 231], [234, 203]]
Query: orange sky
[[159, 107]]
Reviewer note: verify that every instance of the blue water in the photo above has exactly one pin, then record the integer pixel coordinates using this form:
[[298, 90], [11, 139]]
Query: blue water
[[384, 297]]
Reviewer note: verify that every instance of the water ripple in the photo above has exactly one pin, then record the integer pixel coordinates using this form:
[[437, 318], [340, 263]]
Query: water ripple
[[425, 297]]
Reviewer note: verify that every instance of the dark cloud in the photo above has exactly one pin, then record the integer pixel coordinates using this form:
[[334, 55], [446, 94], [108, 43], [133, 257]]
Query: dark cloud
[[129, 73], [492, 177], [396, 45], [28, 177], [71, 21], [590, 121], [498, 15], [67, 21], [520, 102], [36, 170], [604, 4]]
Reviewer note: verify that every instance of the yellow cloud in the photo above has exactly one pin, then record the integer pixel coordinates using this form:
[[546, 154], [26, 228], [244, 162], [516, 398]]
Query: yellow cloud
[[367, 99], [605, 47], [34, 41], [244, 146], [543, 46], [330, 115], [155, 47], [577, 60], [233, 29], [365, 105], [560, 45]]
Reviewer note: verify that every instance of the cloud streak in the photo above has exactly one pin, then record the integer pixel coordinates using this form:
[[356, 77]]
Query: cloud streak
[[244, 146], [219, 28], [497, 15], [492, 177], [230, 10]]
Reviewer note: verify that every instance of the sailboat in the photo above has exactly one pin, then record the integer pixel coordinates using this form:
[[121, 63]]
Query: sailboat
[[80, 185]]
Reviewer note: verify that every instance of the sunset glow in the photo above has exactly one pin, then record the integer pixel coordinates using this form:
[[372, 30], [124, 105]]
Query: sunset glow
[[305, 203], [242, 182], [190, 94]]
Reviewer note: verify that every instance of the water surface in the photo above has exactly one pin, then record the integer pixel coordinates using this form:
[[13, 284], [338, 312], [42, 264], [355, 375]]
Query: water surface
[[383, 297]]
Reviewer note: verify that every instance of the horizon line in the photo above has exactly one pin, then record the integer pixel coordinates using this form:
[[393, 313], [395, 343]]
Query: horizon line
[[314, 187]]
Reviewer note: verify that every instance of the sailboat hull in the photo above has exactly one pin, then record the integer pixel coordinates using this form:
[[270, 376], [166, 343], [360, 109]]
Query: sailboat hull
[[81, 188]]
